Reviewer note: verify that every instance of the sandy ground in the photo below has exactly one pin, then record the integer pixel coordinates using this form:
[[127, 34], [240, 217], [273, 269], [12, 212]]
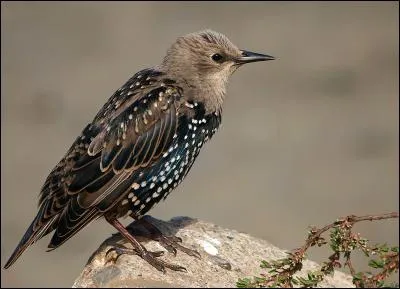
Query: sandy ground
[[305, 139]]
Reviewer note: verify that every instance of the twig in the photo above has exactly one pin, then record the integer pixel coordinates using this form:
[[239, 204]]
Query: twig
[[342, 241], [348, 221]]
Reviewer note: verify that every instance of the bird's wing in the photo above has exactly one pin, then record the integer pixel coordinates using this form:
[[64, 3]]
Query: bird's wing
[[134, 128], [136, 134]]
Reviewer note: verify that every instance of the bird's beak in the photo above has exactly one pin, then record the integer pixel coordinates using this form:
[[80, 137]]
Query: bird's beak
[[248, 57]]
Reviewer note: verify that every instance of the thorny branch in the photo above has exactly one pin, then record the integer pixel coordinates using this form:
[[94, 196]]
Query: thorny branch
[[347, 222], [343, 241]]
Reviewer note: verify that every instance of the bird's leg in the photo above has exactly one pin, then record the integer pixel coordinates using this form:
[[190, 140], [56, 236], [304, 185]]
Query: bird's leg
[[139, 249], [170, 243]]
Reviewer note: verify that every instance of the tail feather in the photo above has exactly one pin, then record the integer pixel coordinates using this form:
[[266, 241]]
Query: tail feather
[[30, 237]]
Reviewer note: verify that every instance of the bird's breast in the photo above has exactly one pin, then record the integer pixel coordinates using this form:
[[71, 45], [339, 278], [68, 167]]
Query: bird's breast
[[154, 183]]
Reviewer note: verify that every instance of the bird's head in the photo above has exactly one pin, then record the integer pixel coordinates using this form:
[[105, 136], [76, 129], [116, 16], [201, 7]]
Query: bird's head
[[206, 59]]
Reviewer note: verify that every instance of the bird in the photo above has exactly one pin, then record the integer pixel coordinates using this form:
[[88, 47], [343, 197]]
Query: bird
[[140, 146]]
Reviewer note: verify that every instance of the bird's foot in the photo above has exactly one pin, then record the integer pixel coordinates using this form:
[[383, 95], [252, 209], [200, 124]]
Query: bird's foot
[[170, 243], [149, 256]]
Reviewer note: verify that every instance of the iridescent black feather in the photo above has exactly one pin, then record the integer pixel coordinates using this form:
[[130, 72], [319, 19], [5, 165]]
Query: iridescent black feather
[[136, 150]]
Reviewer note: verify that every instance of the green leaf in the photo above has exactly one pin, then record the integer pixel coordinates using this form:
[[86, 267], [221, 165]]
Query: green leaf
[[357, 276], [259, 279], [243, 283], [376, 263], [384, 248], [380, 284], [265, 264]]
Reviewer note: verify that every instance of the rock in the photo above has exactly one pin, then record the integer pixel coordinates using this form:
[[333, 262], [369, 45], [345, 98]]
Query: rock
[[226, 256]]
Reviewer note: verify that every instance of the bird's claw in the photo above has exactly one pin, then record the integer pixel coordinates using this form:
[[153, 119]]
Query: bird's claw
[[170, 243], [160, 264], [122, 250], [149, 256], [118, 251]]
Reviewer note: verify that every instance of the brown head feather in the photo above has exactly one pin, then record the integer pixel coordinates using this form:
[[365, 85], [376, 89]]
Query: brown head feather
[[189, 60]]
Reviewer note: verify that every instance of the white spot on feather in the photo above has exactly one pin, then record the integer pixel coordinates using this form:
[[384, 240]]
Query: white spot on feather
[[189, 105]]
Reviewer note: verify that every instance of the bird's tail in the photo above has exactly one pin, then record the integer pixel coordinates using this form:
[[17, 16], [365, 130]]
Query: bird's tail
[[31, 236]]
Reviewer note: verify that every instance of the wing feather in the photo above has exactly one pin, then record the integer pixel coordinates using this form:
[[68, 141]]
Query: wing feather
[[132, 130]]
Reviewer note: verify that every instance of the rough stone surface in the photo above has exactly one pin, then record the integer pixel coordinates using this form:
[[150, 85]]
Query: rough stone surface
[[226, 255]]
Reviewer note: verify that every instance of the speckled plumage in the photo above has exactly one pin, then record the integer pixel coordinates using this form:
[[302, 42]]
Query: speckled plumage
[[141, 144]]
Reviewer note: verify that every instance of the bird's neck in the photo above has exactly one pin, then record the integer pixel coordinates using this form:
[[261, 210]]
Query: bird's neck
[[210, 90], [212, 93]]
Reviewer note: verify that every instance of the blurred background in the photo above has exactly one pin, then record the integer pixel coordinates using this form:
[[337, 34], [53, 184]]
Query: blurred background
[[305, 139]]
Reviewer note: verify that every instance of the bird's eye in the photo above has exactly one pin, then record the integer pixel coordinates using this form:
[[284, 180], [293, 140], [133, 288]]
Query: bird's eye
[[217, 57]]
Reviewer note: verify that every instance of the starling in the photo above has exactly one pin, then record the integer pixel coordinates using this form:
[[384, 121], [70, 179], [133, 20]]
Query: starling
[[140, 146]]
